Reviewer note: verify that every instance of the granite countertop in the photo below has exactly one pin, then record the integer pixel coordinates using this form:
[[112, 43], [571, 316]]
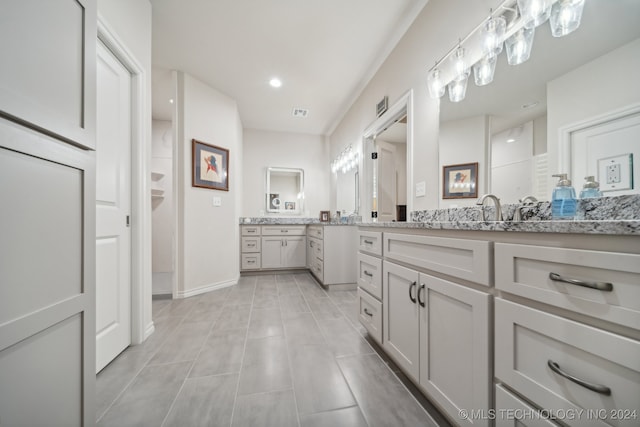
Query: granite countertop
[[293, 221], [576, 227], [605, 215]]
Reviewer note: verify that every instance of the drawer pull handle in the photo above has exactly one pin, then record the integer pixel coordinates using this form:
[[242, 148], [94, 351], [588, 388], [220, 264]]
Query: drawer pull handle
[[251, 245], [411, 297], [284, 231], [420, 300], [601, 286], [366, 273], [368, 242], [593, 387], [367, 312]]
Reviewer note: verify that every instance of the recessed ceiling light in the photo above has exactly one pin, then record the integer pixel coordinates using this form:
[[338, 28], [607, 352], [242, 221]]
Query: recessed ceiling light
[[510, 140], [275, 82], [171, 101]]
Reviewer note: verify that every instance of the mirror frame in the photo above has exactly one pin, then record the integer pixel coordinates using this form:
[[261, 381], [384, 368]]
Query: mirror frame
[[356, 195], [299, 201]]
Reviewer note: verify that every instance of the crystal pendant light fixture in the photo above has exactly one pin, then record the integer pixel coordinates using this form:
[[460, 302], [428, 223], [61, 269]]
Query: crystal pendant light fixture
[[435, 84], [519, 46], [534, 12], [565, 17], [484, 70], [458, 86], [493, 35]]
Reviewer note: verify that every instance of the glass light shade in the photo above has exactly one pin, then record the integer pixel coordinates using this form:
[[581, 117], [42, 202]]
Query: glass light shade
[[435, 84], [484, 70], [534, 12], [493, 35], [458, 88], [565, 17], [519, 46], [459, 62]]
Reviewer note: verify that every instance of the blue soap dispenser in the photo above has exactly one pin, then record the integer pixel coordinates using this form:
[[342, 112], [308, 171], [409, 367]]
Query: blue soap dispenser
[[591, 188], [563, 199]]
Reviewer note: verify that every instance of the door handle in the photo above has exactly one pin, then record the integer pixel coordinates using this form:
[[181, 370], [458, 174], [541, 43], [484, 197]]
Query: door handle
[[590, 386], [366, 273], [420, 300], [601, 286], [411, 297]]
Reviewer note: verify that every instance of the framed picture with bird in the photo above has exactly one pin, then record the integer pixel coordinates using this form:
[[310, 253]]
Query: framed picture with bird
[[210, 166]]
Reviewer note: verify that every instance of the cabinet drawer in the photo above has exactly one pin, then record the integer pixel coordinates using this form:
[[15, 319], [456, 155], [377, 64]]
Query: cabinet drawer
[[370, 314], [251, 261], [289, 230], [370, 274], [525, 270], [250, 230], [317, 247], [530, 344], [370, 241], [461, 258], [511, 411], [316, 231], [251, 244]]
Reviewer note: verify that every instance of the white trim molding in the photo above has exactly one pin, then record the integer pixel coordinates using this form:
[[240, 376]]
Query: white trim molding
[[206, 288]]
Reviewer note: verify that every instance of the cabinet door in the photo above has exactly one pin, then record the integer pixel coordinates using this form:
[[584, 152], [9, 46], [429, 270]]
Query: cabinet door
[[271, 252], [294, 252], [454, 346], [401, 316]]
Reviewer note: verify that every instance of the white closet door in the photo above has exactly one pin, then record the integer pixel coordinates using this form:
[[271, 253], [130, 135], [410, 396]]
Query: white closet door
[[113, 208]]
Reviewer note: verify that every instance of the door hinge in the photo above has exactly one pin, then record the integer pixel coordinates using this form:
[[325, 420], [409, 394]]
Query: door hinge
[[374, 155], [128, 221]]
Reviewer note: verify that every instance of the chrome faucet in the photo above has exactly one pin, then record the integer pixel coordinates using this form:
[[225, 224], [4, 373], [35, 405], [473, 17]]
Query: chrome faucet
[[496, 202], [525, 201]]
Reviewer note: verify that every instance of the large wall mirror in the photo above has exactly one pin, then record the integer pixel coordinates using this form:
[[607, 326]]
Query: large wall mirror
[[347, 192], [285, 191], [531, 120]]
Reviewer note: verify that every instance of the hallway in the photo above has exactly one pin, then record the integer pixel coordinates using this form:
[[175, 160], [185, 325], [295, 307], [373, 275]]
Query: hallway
[[275, 350]]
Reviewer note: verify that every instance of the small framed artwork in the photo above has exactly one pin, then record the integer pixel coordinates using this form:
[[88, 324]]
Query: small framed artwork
[[210, 165], [325, 216], [460, 181]]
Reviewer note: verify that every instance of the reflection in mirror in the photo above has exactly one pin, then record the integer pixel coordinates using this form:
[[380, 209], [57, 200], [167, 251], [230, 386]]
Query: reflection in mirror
[[285, 190], [389, 170], [582, 80], [347, 192]]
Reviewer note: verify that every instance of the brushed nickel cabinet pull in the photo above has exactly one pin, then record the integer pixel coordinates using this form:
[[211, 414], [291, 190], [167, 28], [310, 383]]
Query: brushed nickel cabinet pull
[[366, 273], [367, 312], [368, 242], [593, 387], [601, 286]]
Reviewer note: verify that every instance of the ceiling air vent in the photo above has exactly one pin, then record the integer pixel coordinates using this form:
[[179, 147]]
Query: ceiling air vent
[[300, 112]]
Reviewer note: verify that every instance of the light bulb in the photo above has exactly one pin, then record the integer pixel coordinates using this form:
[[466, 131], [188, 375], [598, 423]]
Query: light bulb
[[435, 84], [519, 46], [493, 34], [484, 70], [565, 17]]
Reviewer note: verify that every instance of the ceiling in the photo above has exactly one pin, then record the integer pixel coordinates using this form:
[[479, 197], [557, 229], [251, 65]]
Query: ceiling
[[325, 52]]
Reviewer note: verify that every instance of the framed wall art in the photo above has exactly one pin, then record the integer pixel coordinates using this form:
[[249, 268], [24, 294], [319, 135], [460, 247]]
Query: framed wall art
[[460, 181], [210, 165]]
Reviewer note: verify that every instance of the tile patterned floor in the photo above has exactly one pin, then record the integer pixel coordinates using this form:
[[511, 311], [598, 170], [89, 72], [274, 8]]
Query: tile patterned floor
[[274, 350]]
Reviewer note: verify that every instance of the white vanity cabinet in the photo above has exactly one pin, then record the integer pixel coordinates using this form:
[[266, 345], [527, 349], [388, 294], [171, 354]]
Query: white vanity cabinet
[[331, 253], [283, 246], [567, 329], [369, 279], [436, 329]]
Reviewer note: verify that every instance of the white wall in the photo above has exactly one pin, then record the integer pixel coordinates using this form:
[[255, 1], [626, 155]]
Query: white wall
[[464, 141], [265, 149], [163, 220], [130, 20], [432, 34], [207, 236], [610, 79]]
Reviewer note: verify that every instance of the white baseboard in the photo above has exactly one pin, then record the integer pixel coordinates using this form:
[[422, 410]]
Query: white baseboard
[[148, 331], [206, 288]]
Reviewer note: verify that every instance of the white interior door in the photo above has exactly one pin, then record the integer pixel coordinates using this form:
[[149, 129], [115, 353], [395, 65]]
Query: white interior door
[[386, 181], [113, 207]]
